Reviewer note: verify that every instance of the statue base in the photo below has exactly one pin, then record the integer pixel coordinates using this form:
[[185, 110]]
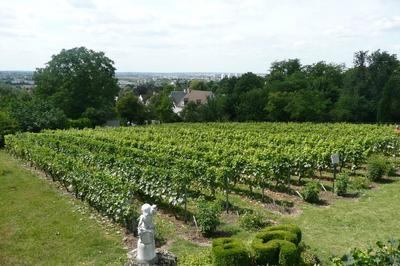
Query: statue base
[[163, 258]]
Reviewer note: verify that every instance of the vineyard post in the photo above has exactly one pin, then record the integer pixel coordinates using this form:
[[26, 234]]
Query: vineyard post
[[185, 200], [226, 193], [335, 161]]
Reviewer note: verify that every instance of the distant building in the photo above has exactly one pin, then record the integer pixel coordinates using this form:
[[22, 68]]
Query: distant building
[[182, 98]]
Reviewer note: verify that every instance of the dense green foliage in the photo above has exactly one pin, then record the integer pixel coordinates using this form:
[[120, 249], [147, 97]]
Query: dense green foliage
[[365, 92], [277, 245], [7, 126], [81, 83], [229, 251], [376, 167], [311, 192], [77, 80], [252, 221], [108, 167], [207, 216], [384, 254], [342, 183], [129, 109]]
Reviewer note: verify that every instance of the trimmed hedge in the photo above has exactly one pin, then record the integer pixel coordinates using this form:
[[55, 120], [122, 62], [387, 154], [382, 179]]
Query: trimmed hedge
[[277, 245], [265, 252], [289, 253], [287, 227], [229, 251]]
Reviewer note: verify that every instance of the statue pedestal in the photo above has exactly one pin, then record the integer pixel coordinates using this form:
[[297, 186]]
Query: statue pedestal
[[163, 258]]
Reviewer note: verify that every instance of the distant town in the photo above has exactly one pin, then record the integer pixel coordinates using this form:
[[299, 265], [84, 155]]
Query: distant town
[[23, 79]]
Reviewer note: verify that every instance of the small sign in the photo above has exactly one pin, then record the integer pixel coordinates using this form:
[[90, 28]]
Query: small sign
[[335, 158]]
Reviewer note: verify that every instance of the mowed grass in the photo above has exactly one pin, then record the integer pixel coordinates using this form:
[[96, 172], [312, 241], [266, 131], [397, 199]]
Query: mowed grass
[[41, 226], [347, 223]]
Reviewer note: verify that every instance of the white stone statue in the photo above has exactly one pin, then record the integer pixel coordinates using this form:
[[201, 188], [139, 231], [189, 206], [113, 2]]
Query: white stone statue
[[146, 248]]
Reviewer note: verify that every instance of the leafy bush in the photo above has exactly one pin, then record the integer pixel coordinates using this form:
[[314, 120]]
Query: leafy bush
[[376, 167], [252, 221], [7, 126], [229, 251], [207, 216], [342, 183], [287, 227], [79, 123], [36, 114], [311, 192], [289, 253], [265, 252], [308, 258], [384, 254], [359, 182], [277, 245], [390, 169]]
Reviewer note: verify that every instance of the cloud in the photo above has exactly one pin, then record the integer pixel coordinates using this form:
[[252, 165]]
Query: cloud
[[207, 35], [392, 23], [82, 3]]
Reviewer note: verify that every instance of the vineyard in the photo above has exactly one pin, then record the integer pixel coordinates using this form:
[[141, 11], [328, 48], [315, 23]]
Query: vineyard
[[176, 163]]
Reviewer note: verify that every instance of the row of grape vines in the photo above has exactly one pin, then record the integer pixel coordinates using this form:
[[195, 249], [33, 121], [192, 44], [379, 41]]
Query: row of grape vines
[[110, 167]]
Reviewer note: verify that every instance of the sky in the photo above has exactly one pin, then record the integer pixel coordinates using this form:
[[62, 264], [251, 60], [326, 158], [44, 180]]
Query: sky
[[197, 36]]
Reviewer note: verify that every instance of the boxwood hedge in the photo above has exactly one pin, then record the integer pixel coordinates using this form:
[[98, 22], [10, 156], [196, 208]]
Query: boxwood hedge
[[228, 251]]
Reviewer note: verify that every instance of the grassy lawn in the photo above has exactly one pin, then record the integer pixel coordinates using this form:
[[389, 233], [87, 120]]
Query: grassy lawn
[[41, 226], [351, 223]]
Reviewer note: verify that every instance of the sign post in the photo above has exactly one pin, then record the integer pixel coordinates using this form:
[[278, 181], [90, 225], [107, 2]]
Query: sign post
[[335, 161]]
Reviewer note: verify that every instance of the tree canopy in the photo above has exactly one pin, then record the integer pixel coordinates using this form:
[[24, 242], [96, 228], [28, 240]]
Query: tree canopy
[[78, 79]]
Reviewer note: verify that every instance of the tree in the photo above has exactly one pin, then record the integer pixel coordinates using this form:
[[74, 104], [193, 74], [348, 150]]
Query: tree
[[307, 105], [198, 85], [8, 125], [389, 105], [190, 112], [36, 114], [251, 106], [161, 106], [129, 109], [275, 107], [9, 95], [78, 79], [214, 109]]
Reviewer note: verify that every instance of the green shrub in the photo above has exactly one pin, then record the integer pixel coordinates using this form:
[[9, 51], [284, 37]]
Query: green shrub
[[265, 252], [207, 216], [311, 192], [275, 252], [289, 253], [390, 169], [277, 234], [341, 184], [229, 252], [359, 182], [384, 254], [79, 123], [376, 167], [252, 221], [308, 258], [287, 227], [277, 245], [8, 125]]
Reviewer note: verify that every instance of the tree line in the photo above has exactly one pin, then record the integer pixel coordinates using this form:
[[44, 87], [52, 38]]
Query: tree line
[[368, 92], [78, 88]]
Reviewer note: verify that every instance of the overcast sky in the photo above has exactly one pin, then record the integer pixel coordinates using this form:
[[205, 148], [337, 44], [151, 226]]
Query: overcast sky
[[206, 36]]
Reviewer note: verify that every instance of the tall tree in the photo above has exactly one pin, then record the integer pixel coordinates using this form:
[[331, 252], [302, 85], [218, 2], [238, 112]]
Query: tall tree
[[389, 105], [129, 109], [78, 79]]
